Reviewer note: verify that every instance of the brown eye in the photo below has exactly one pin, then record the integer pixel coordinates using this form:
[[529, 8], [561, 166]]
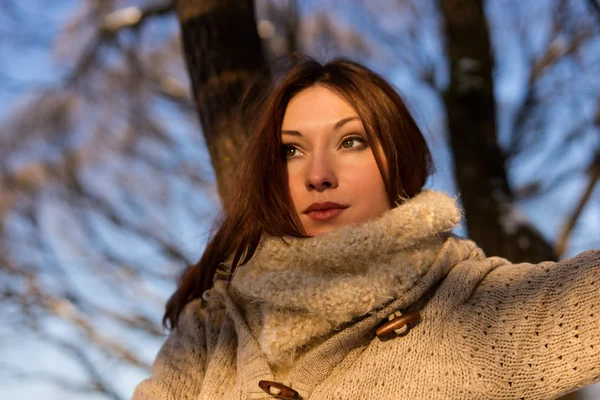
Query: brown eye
[[348, 143], [289, 151], [354, 143]]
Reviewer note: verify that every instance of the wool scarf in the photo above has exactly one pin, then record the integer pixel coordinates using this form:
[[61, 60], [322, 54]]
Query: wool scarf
[[296, 291]]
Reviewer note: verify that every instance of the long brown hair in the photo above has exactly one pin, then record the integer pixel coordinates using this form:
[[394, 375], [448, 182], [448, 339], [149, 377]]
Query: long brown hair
[[259, 202]]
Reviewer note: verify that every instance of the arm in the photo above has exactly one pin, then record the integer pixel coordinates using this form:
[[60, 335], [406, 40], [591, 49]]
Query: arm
[[178, 371], [533, 331]]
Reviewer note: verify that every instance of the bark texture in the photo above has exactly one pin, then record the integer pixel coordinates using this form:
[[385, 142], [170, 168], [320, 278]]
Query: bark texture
[[478, 159], [225, 60]]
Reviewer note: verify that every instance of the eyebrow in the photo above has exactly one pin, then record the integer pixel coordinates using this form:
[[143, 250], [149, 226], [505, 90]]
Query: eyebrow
[[343, 121], [336, 126]]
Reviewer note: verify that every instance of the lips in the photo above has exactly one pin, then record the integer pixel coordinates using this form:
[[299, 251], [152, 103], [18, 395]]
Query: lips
[[324, 211]]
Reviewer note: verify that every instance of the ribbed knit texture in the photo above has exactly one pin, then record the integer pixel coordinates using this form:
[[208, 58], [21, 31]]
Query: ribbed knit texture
[[304, 314]]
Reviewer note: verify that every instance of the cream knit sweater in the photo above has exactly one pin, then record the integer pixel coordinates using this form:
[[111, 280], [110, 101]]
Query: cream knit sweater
[[304, 313]]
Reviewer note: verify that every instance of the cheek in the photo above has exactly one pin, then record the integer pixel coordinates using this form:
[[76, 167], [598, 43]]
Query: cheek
[[365, 175], [296, 183], [365, 184]]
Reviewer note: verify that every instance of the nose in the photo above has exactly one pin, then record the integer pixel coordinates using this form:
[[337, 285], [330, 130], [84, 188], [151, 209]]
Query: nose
[[321, 174]]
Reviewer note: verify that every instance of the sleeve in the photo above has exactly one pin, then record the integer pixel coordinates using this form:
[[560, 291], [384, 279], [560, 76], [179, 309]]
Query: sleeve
[[178, 371], [533, 331]]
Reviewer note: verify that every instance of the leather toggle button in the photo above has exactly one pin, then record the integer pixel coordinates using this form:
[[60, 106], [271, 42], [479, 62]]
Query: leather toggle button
[[278, 390], [398, 325]]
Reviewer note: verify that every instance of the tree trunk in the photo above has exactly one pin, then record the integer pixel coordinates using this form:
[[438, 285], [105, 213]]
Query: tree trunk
[[225, 60], [492, 220], [479, 161]]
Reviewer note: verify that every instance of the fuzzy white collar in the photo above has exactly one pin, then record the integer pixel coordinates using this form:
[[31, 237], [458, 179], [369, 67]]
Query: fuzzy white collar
[[301, 290]]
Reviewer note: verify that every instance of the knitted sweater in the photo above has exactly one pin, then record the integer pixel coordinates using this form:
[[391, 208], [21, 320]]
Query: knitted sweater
[[304, 313]]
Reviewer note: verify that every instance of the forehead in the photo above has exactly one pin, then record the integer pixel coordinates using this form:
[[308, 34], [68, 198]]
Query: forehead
[[316, 106]]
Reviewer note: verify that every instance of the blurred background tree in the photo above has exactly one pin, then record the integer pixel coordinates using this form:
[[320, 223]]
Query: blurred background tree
[[109, 185]]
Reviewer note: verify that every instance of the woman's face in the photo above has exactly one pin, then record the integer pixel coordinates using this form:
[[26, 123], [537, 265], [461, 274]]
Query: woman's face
[[333, 176]]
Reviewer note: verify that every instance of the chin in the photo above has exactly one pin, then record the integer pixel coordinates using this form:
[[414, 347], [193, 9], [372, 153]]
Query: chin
[[321, 231]]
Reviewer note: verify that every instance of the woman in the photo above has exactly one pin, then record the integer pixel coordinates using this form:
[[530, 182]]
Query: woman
[[339, 277]]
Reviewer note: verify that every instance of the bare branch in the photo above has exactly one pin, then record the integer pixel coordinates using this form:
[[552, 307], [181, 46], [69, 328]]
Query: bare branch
[[595, 5], [127, 18], [542, 187], [97, 380], [559, 47], [563, 238], [64, 309], [133, 17]]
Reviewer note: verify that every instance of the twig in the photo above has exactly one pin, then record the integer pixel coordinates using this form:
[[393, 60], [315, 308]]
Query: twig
[[595, 5], [133, 17], [558, 48], [594, 175], [97, 380], [65, 310], [126, 18]]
